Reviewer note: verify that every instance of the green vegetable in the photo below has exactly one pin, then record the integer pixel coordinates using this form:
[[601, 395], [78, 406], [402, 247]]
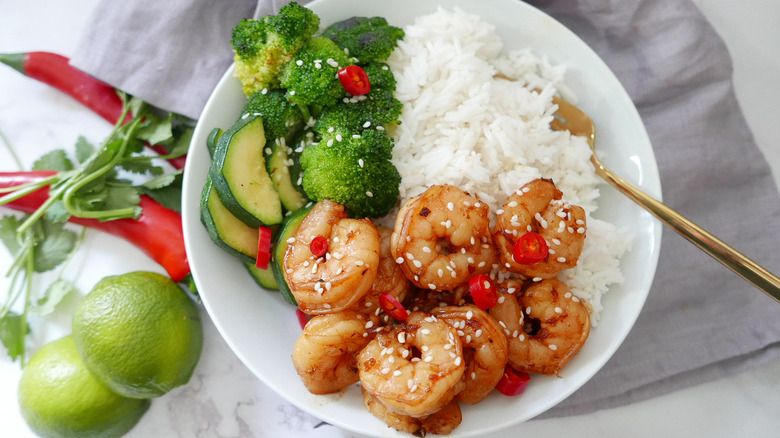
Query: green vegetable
[[355, 172], [240, 177], [311, 76], [379, 108], [380, 75], [263, 46], [281, 119], [367, 39], [225, 230], [286, 230]]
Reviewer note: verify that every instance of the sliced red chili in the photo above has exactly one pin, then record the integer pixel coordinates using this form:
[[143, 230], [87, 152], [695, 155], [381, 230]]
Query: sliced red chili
[[483, 291], [263, 247], [355, 80], [393, 307], [530, 248], [319, 246], [513, 382], [302, 317]]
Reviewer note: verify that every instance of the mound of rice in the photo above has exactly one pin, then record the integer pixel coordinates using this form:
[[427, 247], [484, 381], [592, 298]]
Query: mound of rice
[[489, 136]]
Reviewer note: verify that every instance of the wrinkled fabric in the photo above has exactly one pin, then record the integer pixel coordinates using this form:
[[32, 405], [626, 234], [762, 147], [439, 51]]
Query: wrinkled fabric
[[700, 322]]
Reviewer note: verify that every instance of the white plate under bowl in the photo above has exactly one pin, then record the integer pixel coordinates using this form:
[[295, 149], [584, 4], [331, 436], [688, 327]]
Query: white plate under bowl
[[261, 328]]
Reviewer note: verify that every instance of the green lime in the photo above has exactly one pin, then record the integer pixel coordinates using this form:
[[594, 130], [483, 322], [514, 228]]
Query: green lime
[[59, 397], [139, 333]]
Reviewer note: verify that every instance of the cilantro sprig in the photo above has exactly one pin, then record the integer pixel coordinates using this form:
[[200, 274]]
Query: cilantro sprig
[[102, 184]]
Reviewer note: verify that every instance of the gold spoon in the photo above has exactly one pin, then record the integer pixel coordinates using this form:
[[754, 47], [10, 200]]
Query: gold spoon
[[569, 117]]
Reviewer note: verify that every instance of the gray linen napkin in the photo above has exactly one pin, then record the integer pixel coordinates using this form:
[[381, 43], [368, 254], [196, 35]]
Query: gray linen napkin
[[700, 321]]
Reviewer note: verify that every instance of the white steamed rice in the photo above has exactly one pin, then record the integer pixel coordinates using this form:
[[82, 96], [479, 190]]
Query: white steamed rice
[[490, 136]]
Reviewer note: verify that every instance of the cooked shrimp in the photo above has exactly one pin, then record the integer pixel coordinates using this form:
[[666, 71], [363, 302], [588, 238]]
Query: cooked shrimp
[[425, 299], [414, 368], [442, 238], [546, 323], [538, 207], [325, 353], [390, 278], [484, 348], [441, 422], [335, 281]]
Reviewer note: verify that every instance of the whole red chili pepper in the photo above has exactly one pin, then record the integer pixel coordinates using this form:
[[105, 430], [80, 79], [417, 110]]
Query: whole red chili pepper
[[157, 232], [55, 70]]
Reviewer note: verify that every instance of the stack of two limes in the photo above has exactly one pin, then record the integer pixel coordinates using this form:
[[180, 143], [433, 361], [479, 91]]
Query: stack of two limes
[[135, 337]]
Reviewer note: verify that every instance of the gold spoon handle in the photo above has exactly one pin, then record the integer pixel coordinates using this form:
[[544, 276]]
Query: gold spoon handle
[[716, 248]]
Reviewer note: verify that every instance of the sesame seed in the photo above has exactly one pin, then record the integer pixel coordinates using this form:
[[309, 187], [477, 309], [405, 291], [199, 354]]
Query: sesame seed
[[399, 260], [512, 204], [299, 62], [501, 299], [537, 279], [478, 333], [292, 92], [360, 263], [428, 359], [561, 259], [369, 324], [385, 370], [553, 347], [397, 373], [367, 124], [369, 194], [360, 162], [431, 286], [417, 263], [413, 388], [450, 206], [425, 331], [473, 375]]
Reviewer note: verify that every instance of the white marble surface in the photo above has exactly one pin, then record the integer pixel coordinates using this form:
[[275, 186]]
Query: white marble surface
[[223, 398]]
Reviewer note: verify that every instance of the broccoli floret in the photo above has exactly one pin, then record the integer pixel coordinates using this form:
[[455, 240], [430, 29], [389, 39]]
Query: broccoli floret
[[353, 115], [380, 76], [281, 119], [311, 78], [355, 172], [263, 46], [367, 39]]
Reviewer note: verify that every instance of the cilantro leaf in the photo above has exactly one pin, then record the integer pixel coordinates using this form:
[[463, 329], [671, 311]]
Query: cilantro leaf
[[53, 160], [12, 334], [84, 149], [53, 296], [8, 226], [166, 190], [53, 245]]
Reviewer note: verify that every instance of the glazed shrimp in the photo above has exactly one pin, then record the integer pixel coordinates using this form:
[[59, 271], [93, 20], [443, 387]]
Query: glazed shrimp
[[441, 422], [538, 207], [325, 353], [546, 323], [338, 279], [389, 278], [484, 348], [442, 238], [414, 368]]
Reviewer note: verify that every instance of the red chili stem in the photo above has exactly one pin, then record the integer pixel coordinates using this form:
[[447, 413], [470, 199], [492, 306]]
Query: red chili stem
[[157, 232], [55, 70]]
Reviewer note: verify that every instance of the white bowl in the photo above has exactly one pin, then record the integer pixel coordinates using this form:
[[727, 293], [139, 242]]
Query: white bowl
[[261, 328]]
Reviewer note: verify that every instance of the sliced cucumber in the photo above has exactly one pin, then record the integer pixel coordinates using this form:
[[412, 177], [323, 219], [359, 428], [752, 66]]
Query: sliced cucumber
[[287, 230], [226, 230], [279, 168], [264, 277], [240, 177], [211, 140]]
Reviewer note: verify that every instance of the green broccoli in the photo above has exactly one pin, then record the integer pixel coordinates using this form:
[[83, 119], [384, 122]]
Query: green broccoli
[[281, 119], [355, 172], [263, 46], [379, 108], [311, 78], [380, 76], [367, 39]]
